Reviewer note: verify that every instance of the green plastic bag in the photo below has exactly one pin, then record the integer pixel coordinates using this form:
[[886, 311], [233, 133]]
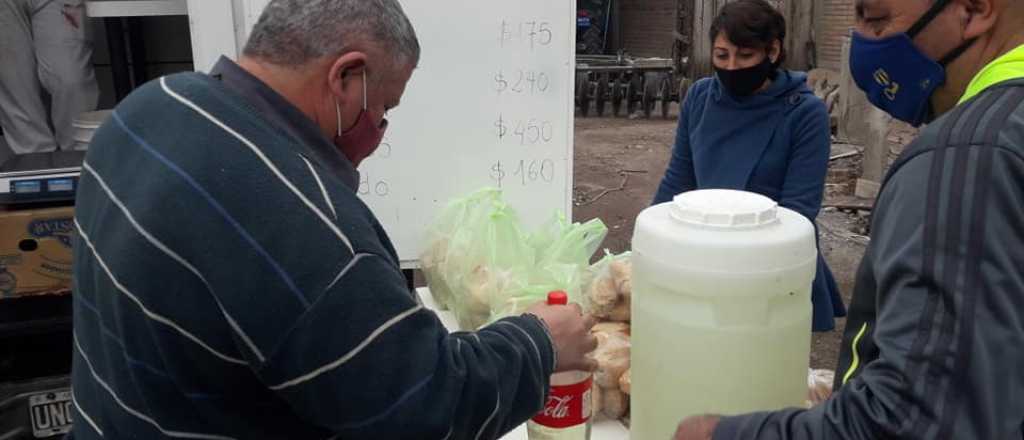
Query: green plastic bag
[[435, 259], [563, 252], [493, 257], [482, 266], [610, 287]]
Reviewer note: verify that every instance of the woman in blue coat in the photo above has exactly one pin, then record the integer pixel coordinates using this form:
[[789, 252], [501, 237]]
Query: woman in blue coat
[[758, 128]]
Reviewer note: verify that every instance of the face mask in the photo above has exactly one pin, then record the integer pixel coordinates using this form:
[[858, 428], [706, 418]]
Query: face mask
[[364, 137], [744, 82], [897, 77]]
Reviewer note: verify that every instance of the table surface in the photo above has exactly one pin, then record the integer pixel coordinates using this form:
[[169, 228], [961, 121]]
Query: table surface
[[603, 430]]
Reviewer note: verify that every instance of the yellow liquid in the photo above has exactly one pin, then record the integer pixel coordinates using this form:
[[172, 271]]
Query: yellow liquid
[[539, 432], [684, 365]]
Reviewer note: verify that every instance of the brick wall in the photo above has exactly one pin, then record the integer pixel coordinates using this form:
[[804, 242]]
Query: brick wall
[[647, 27], [834, 18]]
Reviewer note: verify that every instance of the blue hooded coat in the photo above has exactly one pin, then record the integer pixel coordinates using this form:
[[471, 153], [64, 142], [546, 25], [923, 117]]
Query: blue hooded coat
[[775, 143]]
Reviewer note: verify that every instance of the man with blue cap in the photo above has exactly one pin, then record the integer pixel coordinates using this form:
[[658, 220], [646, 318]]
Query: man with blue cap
[[934, 346]]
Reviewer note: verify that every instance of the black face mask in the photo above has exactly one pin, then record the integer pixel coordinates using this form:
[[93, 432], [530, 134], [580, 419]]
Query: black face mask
[[744, 82]]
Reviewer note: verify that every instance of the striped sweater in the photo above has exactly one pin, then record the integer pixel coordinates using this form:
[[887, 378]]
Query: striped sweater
[[228, 287]]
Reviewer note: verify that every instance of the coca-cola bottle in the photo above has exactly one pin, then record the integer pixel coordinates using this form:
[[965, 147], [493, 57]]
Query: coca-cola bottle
[[567, 413]]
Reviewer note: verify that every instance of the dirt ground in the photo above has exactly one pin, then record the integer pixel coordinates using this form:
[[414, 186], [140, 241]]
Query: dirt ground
[[619, 163]]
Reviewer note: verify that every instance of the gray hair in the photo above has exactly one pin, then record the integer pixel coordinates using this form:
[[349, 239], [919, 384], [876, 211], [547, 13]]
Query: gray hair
[[295, 32]]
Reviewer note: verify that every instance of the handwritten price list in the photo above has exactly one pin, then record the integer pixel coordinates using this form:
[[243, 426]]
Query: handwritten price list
[[524, 88]]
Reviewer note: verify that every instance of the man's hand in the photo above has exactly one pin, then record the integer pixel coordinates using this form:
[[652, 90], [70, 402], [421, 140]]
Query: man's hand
[[570, 332], [697, 428]]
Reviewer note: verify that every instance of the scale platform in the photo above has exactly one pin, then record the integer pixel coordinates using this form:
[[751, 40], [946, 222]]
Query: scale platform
[[40, 177]]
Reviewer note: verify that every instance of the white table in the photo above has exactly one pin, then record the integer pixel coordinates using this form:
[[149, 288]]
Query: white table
[[603, 430]]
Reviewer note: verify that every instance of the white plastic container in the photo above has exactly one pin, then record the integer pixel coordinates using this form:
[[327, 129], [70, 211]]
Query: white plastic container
[[721, 309], [85, 126]]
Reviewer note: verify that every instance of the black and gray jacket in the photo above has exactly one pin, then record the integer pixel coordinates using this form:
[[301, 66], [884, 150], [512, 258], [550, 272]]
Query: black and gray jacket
[[934, 347]]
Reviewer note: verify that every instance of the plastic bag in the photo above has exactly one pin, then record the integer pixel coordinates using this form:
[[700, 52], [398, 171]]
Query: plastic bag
[[610, 292], [480, 264], [562, 251], [612, 356], [548, 232], [819, 386], [490, 260], [614, 403], [613, 364], [572, 243], [435, 259]]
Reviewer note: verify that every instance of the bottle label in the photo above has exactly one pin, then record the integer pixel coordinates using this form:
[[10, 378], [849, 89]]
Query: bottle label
[[567, 405]]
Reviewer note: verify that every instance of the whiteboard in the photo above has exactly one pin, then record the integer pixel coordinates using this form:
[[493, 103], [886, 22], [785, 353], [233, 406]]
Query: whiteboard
[[491, 104]]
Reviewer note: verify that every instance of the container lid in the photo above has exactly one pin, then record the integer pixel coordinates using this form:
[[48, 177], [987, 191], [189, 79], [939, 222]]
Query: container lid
[[724, 234], [725, 209]]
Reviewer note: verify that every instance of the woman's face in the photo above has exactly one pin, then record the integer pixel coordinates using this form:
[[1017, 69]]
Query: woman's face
[[728, 56]]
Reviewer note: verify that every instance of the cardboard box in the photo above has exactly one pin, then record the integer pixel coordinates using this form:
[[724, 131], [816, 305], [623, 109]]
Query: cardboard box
[[35, 251]]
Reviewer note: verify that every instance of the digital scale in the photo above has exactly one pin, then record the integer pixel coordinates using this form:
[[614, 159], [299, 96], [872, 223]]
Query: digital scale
[[40, 177]]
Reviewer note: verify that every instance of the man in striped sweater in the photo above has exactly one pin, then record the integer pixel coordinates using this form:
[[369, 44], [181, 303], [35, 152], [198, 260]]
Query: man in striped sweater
[[934, 345], [229, 284]]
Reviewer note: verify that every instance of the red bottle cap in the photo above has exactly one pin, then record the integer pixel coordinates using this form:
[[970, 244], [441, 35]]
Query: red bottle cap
[[558, 298]]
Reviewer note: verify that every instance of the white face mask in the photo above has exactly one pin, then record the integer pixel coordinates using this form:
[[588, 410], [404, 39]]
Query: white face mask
[[337, 106], [363, 139]]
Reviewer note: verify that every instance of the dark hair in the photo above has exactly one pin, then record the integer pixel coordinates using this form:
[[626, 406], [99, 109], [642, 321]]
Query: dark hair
[[754, 24]]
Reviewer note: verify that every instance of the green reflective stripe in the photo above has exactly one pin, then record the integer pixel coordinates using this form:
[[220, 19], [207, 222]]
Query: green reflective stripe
[[856, 356], [1004, 68]]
